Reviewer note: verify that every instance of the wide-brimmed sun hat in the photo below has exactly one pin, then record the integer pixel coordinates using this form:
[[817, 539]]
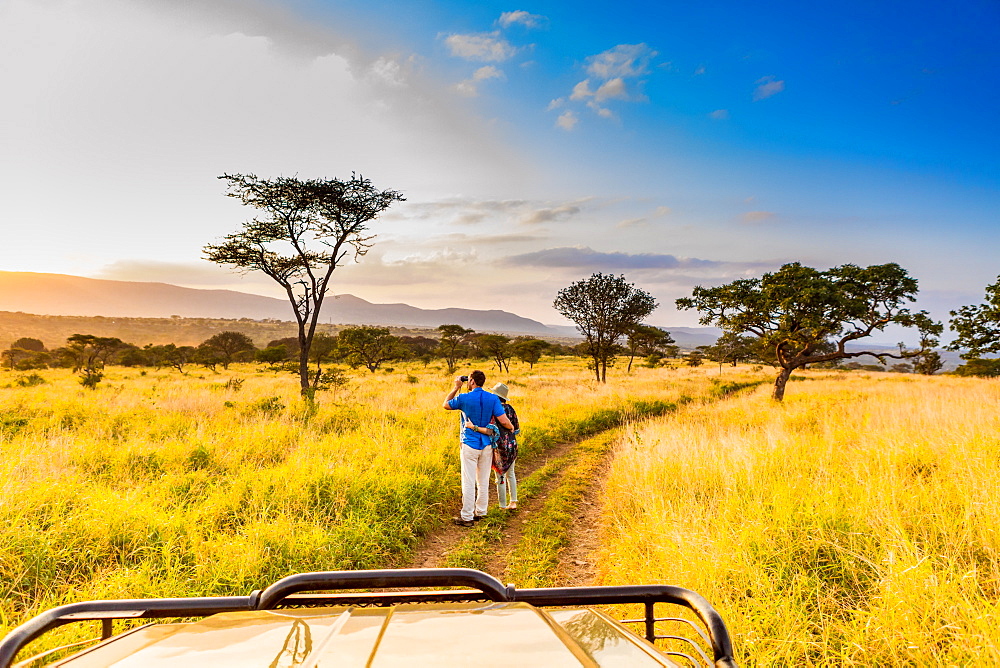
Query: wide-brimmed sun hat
[[500, 390]]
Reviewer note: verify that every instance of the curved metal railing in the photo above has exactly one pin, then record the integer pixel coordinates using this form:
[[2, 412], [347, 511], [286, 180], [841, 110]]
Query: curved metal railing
[[289, 592]]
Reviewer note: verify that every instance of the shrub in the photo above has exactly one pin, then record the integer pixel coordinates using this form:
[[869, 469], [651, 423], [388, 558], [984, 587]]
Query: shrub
[[234, 384], [30, 380], [89, 378], [980, 367], [269, 406]]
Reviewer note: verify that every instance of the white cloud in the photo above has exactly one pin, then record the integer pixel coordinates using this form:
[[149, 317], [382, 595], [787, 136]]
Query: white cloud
[[766, 87], [149, 102], [610, 68], [603, 112], [719, 114], [612, 89], [487, 72], [567, 120], [470, 87], [497, 213], [632, 222], [508, 19], [388, 71], [624, 60], [548, 215], [581, 90], [484, 47], [555, 104]]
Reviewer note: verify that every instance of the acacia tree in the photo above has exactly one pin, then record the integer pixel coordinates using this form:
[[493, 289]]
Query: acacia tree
[[229, 346], [647, 340], [928, 363], [497, 347], [306, 230], [452, 341], [368, 346], [730, 349], [978, 326], [529, 349], [604, 307], [22, 350], [89, 354], [171, 355], [798, 311]]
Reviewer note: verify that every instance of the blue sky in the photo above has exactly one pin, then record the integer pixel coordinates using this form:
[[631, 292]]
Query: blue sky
[[677, 143]]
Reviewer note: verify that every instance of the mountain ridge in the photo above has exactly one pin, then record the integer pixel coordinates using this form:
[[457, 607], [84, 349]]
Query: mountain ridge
[[63, 294]]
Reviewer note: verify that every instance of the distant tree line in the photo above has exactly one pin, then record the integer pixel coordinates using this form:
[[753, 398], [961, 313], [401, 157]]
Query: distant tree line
[[771, 321], [366, 347]]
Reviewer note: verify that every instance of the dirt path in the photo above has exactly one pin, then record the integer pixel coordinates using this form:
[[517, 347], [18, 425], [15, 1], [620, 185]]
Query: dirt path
[[497, 562], [435, 548], [577, 562]]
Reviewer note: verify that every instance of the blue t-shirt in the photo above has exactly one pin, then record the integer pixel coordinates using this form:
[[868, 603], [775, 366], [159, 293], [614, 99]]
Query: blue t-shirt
[[478, 406]]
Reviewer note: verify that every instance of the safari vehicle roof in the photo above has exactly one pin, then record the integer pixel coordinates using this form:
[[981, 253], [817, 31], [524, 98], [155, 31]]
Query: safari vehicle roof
[[423, 634], [308, 620]]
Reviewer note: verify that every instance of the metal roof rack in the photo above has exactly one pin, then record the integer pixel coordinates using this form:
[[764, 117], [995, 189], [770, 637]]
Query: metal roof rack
[[314, 589]]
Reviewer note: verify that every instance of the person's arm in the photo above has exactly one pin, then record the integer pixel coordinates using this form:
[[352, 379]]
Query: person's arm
[[479, 430], [451, 395]]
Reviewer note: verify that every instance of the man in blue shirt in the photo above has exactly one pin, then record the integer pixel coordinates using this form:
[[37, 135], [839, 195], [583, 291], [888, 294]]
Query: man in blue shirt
[[478, 408]]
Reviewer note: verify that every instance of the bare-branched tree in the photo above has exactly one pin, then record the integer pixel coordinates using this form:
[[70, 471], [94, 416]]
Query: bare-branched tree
[[306, 229]]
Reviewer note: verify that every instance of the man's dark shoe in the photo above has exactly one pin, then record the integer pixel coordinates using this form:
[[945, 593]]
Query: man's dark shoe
[[476, 518], [463, 523]]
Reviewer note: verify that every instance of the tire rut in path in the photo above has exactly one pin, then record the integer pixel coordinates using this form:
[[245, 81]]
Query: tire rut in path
[[496, 563], [434, 549], [578, 560]]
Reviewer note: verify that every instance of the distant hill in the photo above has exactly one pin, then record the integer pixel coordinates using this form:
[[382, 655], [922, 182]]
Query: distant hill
[[689, 338], [59, 294]]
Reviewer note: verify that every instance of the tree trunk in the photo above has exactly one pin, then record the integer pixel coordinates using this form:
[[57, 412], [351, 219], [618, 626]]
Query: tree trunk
[[304, 345], [779, 383]]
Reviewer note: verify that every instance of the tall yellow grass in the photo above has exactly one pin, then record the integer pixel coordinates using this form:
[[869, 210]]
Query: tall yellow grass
[[163, 484], [855, 524]]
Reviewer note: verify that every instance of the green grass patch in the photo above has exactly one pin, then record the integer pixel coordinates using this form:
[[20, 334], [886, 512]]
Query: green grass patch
[[474, 549], [535, 560]]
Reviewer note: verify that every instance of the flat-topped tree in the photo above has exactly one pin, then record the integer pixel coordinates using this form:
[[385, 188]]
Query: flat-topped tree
[[307, 228], [798, 312], [648, 340], [369, 346], [452, 343], [978, 326], [529, 349], [228, 346], [497, 347]]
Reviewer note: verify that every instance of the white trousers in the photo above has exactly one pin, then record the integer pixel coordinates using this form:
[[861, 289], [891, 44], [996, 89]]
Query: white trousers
[[476, 466]]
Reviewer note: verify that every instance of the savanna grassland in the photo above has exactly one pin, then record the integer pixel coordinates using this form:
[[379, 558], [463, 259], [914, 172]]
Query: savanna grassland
[[854, 524], [163, 484]]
